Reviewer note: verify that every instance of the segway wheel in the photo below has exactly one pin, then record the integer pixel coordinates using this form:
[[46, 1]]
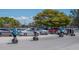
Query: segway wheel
[[14, 41], [35, 38], [72, 34], [61, 35]]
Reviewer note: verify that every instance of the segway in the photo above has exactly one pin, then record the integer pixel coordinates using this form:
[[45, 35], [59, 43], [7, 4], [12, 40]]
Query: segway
[[61, 34], [14, 41], [35, 38], [72, 33]]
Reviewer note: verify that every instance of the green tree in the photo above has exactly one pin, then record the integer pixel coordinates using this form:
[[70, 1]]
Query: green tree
[[7, 20], [75, 16], [51, 18]]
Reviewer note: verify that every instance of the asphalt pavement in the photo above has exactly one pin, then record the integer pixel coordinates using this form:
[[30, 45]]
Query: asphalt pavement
[[45, 42]]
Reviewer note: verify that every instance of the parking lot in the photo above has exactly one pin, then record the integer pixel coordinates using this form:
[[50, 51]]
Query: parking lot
[[45, 42]]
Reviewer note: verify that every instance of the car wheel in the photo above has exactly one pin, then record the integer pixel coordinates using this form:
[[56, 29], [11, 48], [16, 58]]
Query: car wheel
[[46, 33], [25, 34]]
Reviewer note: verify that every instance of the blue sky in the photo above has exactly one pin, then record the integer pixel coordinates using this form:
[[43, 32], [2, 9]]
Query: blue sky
[[25, 15]]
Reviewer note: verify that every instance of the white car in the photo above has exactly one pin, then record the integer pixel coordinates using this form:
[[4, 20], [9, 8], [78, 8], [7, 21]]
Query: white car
[[23, 33], [31, 32], [27, 32], [43, 32], [5, 32]]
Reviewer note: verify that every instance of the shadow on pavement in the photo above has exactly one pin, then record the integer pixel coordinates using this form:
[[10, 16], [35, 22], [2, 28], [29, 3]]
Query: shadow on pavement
[[11, 43]]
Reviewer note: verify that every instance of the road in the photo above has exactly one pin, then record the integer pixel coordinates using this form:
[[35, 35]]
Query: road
[[45, 42]]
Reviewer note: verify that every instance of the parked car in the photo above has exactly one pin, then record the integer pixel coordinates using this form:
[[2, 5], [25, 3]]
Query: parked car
[[43, 32], [5, 32], [53, 30], [30, 32], [27, 32], [65, 31], [22, 32]]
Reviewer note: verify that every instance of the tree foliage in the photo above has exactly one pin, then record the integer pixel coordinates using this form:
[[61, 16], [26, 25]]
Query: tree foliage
[[51, 18], [7, 20], [75, 16]]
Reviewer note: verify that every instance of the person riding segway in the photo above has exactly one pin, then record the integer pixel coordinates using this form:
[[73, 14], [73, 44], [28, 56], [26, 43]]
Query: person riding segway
[[72, 32], [35, 35], [61, 34], [14, 33]]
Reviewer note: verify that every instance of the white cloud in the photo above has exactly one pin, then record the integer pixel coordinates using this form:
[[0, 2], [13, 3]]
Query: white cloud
[[20, 17], [24, 19]]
